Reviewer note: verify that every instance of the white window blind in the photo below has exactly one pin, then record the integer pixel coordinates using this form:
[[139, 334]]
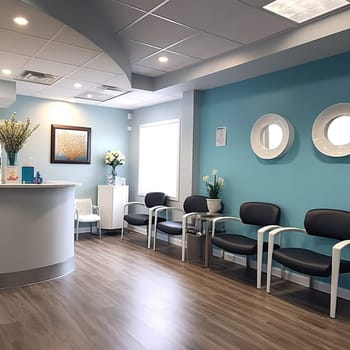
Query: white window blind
[[159, 157]]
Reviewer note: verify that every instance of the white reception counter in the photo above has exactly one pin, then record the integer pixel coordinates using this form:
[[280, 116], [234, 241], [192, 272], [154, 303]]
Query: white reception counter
[[36, 232]]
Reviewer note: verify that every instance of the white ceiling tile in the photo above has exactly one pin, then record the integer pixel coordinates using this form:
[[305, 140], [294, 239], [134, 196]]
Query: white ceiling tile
[[148, 72], [257, 3], [12, 61], [91, 75], [56, 93], [157, 32], [50, 67], [204, 45], [104, 63], [40, 24], [143, 4], [250, 25], [68, 83], [175, 61], [117, 15], [20, 43], [72, 37], [67, 53], [200, 14], [27, 88], [137, 51], [120, 81]]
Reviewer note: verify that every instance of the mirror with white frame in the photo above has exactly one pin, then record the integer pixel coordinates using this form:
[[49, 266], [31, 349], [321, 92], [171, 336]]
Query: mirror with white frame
[[331, 130], [271, 136]]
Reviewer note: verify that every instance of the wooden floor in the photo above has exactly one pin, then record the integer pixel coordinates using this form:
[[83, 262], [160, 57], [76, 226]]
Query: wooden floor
[[124, 296]]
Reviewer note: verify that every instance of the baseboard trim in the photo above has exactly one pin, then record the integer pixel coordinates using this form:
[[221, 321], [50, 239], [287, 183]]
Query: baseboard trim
[[42, 274], [302, 280]]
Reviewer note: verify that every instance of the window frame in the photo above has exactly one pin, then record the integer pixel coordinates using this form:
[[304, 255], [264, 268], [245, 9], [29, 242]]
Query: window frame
[[174, 121]]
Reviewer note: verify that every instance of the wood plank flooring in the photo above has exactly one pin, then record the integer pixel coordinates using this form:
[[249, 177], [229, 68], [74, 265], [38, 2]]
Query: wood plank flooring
[[124, 296]]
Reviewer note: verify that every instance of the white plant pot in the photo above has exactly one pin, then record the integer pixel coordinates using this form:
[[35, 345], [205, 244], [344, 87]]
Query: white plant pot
[[214, 205]]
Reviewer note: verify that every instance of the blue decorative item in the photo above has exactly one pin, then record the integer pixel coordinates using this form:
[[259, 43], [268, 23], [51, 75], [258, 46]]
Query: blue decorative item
[[38, 179], [27, 174]]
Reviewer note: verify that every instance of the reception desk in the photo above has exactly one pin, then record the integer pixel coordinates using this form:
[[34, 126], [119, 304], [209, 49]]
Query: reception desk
[[36, 232]]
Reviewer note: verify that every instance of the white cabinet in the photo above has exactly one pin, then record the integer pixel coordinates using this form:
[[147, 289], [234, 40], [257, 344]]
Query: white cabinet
[[111, 200]]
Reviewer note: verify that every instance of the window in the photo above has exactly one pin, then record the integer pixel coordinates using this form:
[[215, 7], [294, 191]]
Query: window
[[159, 157]]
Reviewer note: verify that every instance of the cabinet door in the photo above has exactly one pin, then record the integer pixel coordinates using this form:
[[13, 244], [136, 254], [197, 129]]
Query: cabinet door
[[111, 200]]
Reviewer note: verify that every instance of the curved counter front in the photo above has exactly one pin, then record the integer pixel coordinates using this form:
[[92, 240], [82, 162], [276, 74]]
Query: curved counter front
[[36, 232]]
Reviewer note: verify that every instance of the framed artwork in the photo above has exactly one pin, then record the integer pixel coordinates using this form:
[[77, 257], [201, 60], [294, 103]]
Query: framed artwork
[[70, 144]]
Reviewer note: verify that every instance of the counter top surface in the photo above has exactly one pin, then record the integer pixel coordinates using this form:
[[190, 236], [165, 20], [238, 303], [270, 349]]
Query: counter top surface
[[48, 184]]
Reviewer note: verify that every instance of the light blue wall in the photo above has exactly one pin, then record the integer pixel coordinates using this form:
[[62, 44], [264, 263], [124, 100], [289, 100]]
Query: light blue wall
[[303, 178], [108, 131]]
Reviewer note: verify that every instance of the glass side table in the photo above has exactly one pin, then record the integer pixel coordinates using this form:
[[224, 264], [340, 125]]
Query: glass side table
[[205, 224]]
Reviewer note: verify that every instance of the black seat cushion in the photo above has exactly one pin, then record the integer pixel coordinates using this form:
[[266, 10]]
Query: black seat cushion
[[170, 227], [238, 244], [308, 262], [235, 243], [139, 219]]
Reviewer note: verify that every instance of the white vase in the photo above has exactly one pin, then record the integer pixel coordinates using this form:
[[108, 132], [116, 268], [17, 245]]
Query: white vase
[[214, 205]]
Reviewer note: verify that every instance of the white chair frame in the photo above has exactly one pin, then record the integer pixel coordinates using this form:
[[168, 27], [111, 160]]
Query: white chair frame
[[336, 254], [260, 243], [150, 215], [93, 217]]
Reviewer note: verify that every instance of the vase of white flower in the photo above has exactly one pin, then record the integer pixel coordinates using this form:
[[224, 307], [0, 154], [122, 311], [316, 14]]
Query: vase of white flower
[[213, 190], [113, 158]]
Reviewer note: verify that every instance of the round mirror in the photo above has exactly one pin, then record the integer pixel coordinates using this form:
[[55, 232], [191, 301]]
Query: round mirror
[[331, 130], [271, 136], [338, 132]]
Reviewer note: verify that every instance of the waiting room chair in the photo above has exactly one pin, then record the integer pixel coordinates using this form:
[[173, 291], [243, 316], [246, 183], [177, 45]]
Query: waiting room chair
[[328, 223], [265, 216], [153, 200], [86, 212], [192, 205]]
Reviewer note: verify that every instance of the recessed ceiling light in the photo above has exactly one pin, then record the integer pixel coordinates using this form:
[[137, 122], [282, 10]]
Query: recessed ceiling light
[[22, 21], [77, 85], [89, 95], [163, 59], [6, 71], [304, 10]]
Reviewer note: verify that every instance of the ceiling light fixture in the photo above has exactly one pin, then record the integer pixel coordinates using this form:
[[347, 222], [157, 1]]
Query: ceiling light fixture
[[163, 59], [22, 21], [6, 71], [303, 10], [77, 85]]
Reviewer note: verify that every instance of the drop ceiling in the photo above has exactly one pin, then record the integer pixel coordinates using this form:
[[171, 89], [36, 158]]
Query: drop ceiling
[[99, 43]]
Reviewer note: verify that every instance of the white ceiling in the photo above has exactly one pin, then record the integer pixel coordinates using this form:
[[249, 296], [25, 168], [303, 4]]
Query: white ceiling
[[208, 43]]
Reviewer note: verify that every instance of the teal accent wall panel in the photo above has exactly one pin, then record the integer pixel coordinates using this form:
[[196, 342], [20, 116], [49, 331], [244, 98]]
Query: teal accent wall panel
[[303, 178]]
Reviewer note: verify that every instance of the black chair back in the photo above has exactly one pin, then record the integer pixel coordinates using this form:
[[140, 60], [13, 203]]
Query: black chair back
[[195, 203], [155, 198], [259, 213], [331, 223]]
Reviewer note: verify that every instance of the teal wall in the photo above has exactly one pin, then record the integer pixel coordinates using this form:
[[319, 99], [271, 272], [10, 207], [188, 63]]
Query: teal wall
[[303, 178], [108, 131]]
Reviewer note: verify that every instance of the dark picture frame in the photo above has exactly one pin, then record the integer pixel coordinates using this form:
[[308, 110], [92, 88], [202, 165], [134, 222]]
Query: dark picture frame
[[70, 144]]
